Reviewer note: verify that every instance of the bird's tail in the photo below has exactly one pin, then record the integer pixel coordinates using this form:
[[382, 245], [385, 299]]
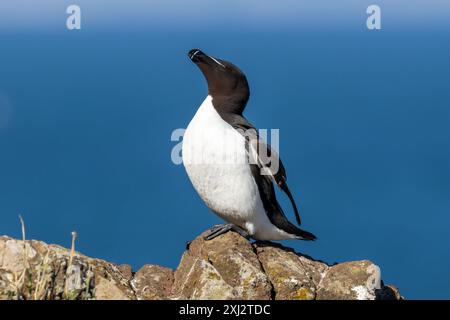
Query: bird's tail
[[278, 218], [304, 235]]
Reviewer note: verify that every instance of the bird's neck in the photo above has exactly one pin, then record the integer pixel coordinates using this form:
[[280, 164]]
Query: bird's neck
[[234, 104]]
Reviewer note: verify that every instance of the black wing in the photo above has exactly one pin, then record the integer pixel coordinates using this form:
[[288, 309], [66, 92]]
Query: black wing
[[263, 153], [273, 208]]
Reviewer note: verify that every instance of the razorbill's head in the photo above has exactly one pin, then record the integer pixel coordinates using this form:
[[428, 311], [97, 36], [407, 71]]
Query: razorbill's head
[[227, 84]]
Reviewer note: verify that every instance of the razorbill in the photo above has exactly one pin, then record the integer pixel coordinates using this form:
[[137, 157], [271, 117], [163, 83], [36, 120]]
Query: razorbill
[[223, 157]]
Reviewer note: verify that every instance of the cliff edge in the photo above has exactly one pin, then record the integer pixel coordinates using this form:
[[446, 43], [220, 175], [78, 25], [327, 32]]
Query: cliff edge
[[228, 267]]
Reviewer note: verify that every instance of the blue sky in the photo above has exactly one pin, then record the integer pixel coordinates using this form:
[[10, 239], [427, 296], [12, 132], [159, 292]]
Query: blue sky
[[86, 118], [132, 14]]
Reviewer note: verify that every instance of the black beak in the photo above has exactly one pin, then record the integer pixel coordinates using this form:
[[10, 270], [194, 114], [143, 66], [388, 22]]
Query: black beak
[[196, 55]]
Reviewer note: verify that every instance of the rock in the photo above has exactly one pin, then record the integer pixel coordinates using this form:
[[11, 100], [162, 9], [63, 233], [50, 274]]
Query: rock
[[293, 276], [126, 271], [40, 271], [388, 292], [227, 267], [153, 282], [356, 280], [108, 290], [223, 268]]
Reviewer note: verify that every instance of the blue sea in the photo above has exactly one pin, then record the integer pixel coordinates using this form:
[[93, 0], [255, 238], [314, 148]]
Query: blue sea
[[86, 118]]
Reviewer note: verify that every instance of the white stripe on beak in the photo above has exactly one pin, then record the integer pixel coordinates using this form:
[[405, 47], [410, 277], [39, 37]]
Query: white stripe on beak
[[193, 55], [218, 62]]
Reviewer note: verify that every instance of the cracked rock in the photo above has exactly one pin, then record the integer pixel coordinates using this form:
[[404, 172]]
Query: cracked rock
[[227, 267]]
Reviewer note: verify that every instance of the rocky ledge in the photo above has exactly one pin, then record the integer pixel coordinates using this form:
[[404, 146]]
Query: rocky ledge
[[228, 267]]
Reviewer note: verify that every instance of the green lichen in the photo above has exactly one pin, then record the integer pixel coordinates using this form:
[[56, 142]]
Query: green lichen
[[303, 294], [213, 276]]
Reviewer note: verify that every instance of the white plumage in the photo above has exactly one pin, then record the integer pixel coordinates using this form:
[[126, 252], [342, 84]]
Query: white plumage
[[215, 160]]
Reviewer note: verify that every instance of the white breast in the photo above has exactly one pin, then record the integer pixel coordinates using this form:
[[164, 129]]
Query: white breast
[[215, 160]]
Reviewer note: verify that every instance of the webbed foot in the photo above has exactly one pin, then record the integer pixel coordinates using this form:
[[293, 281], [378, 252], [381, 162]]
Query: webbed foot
[[220, 229]]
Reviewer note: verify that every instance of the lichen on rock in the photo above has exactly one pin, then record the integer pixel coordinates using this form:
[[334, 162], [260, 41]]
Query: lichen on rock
[[227, 267]]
